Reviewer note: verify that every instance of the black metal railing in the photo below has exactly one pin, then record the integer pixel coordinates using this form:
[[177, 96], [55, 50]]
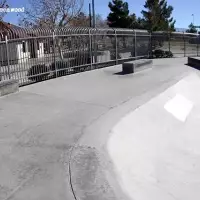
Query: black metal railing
[[31, 55]]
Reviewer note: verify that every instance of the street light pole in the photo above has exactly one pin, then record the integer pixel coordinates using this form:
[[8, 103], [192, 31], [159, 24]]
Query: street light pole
[[94, 37], [193, 18]]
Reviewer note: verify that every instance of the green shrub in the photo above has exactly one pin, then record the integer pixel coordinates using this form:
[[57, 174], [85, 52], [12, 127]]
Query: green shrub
[[83, 58], [38, 72], [159, 53], [168, 54], [141, 50], [60, 66]]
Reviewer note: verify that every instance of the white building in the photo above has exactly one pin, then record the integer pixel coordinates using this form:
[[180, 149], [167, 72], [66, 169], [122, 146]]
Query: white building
[[19, 45]]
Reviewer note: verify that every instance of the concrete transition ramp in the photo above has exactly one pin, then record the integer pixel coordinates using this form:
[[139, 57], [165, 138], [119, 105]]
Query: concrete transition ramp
[[155, 149], [99, 135]]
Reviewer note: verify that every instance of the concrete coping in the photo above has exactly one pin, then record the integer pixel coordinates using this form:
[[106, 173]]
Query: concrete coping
[[142, 61], [8, 87], [8, 82]]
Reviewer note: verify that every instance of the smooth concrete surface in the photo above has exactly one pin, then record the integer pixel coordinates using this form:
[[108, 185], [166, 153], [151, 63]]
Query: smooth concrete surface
[[54, 134], [157, 154]]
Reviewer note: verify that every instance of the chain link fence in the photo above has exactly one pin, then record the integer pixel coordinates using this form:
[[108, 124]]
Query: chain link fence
[[179, 44], [32, 55]]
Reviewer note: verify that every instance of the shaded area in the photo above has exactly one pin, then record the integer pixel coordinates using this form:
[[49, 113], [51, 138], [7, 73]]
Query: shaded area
[[120, 73], [194, 62]]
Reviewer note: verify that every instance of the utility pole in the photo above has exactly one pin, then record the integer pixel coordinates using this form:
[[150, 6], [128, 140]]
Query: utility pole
[[90, 15], [193, 19], [94, 15], [94, 26]]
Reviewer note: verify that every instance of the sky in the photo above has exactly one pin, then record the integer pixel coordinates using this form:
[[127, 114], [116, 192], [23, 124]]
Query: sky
[[182, 13]]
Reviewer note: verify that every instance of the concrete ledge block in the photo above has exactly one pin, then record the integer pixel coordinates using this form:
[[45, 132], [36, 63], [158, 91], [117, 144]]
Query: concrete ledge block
[[128, 68], [8, 87], [194, 62], [136, 65]]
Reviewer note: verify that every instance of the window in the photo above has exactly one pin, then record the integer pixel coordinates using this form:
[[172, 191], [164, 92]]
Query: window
[[24, 47]]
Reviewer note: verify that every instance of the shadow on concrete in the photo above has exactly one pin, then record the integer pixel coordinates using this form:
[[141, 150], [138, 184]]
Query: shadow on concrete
[[193, 66], [120, 73]]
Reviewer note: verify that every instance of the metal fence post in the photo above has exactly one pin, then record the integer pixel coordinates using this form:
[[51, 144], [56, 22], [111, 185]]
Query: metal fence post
[[169, 40], [54, 54], [95, 48], [184, 44], [7, 54], [150, 45], [90, 49], [0, 73], [135, 38], [116, 49], [197, 45]]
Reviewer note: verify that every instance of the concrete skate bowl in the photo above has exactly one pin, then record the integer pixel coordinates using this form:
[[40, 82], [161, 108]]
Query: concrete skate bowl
[[155, 149], [151, 153]]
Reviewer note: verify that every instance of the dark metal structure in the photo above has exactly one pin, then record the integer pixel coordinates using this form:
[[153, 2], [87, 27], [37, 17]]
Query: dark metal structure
[[31, 55]]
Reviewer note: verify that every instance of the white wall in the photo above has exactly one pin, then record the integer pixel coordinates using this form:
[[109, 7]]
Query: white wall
[[41, 50], [22, 56]]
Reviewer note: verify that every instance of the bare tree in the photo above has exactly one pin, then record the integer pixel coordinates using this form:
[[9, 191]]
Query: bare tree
[[51, 13], [3, 4], [100, 22], [82, 20]]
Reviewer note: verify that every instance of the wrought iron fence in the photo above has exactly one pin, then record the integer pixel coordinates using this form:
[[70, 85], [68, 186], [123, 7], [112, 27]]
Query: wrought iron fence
[[31, 55]]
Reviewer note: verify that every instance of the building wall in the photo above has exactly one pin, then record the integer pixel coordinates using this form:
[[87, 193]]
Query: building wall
[[18, 52], [35, 48], [22, 52], [41, 50], [12, 50], [3, 55]]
